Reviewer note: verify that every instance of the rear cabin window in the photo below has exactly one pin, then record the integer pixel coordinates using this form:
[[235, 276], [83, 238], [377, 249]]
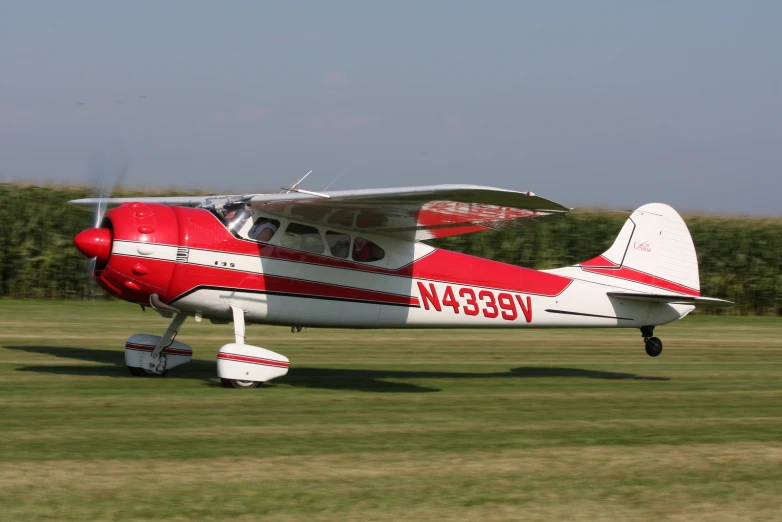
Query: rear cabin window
[[339, 244], [303, 237], [366, 251]]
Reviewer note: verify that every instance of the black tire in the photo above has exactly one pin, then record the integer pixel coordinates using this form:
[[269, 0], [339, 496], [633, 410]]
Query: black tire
[[654, 347], [141, 372], [235, 383]]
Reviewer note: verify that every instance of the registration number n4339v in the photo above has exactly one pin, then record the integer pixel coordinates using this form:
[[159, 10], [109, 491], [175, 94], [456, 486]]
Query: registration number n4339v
[[490, 303]]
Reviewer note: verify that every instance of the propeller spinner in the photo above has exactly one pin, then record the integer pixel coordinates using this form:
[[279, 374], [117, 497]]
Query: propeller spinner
[[94, 243]]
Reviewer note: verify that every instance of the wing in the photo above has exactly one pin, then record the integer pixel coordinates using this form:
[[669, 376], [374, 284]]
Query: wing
[[412, 213], [180, 201]]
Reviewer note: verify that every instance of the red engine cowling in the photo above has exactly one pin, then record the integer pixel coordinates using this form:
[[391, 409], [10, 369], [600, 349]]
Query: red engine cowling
[[141, 250], [135, 250]]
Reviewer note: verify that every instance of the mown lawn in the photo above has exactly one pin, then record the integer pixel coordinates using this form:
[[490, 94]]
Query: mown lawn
[[391, 425]]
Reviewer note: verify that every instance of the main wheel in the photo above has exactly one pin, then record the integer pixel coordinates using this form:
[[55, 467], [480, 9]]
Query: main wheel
[[654, 347], [236, 383], [141, 372]]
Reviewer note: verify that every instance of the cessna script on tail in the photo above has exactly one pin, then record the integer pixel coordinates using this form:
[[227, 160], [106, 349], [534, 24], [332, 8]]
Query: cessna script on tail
[[355, 259]]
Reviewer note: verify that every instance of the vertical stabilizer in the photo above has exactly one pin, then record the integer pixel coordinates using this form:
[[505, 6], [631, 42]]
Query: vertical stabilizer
[[654, 248]]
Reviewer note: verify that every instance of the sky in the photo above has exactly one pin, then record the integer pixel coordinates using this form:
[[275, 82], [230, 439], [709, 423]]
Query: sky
[[591, 104]]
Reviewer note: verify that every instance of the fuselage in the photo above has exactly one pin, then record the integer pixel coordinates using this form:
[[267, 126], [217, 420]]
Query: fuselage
[[192, 260]]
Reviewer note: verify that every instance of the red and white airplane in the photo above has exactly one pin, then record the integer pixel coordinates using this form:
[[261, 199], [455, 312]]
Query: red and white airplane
[[354, 259]]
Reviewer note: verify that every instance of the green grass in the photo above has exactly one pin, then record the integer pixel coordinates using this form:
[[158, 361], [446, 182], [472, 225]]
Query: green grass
[[391, 425]]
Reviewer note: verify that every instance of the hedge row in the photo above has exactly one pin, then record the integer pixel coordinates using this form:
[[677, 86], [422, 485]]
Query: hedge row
[[740, 258]]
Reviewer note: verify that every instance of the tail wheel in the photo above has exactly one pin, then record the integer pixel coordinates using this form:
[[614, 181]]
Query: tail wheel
[[654, 346], [236, 383]]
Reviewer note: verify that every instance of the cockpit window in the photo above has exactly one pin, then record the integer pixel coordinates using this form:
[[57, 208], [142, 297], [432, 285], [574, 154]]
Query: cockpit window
[[339, 244], [303, 237], [366, 251], [263, 229]]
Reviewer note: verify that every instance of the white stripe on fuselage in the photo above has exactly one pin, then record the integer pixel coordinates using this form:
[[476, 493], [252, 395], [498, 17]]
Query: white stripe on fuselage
[[581, 297], [144, 250]]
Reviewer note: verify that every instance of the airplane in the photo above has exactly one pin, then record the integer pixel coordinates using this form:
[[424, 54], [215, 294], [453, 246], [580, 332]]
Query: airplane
[[357, 259]]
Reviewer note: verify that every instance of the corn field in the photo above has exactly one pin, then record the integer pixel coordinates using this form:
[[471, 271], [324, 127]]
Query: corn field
[[740, 258]]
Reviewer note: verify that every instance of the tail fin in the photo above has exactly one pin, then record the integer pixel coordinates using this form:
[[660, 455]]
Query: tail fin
[[654, 248]]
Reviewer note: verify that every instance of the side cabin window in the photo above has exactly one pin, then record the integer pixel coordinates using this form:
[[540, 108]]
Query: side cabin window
[[366, 251], [339, 244], [263, 229], [303, 237]]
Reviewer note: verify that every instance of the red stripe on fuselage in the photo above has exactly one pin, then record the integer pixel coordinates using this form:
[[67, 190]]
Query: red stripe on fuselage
[[462, 269], [188, 277], [598, 266], [600, 262]]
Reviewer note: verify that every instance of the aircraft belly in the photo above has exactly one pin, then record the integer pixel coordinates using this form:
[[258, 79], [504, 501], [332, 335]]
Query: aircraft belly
[[215, 304]]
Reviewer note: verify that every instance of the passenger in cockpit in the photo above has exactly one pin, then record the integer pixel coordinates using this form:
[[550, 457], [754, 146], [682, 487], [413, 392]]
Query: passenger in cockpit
[[264, 229]]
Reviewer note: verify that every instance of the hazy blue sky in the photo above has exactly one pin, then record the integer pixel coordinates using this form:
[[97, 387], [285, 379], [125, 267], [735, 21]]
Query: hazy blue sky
[[610, 103]]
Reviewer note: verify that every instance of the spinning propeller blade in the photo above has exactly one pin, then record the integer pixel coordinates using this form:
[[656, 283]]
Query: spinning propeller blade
[[107, 167]]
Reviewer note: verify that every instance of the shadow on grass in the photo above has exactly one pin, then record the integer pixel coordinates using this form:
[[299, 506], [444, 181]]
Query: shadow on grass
[[321, 378]]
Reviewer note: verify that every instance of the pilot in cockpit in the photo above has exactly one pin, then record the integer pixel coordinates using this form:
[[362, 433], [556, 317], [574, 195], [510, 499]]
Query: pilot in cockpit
[[235, 215]]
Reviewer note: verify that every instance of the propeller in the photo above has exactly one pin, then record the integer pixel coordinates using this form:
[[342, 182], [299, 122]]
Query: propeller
[[107, 167]]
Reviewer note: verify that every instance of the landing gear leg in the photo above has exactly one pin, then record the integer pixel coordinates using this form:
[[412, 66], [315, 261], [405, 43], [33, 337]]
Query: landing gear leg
[[653, 345], [239, 334], [158, 363], [147, 355], [241, 365], [239, 331]]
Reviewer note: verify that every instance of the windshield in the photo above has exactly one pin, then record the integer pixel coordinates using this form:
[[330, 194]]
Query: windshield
[[233, 215]]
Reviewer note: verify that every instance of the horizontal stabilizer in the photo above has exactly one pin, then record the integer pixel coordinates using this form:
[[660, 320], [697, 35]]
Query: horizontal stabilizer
[[672, 298]]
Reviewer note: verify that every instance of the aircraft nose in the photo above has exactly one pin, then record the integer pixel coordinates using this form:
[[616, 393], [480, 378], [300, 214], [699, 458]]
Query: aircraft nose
[[94, 242]]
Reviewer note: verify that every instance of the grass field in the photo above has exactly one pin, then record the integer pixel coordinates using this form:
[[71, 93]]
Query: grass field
[[391, 425]]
